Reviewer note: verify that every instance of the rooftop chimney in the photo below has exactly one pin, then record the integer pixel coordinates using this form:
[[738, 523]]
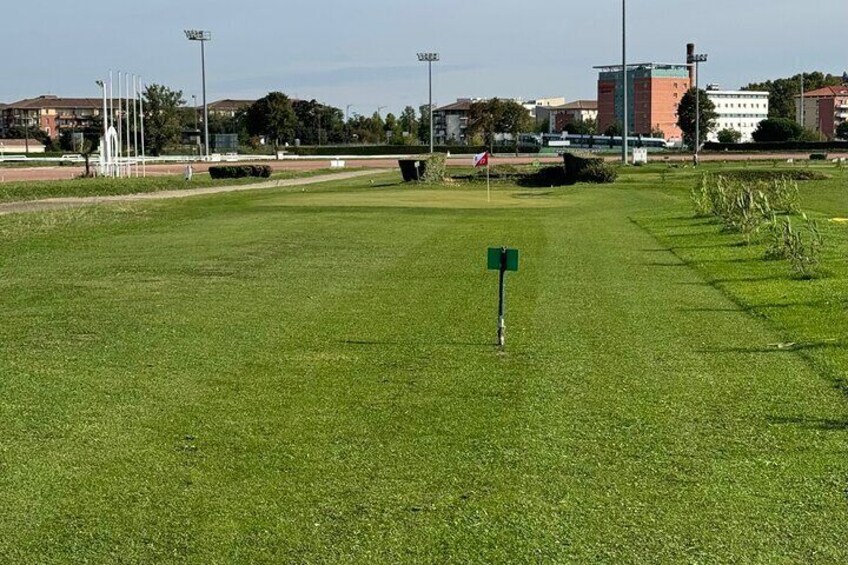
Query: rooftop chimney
[[690, 52]]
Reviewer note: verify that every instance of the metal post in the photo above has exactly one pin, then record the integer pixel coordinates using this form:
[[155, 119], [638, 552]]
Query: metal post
[[502, 300], [202, 37], [697, 110], [26, 132], [205, 105], [430, 58], [430, 76], [626, 126]]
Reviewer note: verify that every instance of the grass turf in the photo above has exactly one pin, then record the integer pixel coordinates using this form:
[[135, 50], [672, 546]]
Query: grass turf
[[307, 375], [19, 191]]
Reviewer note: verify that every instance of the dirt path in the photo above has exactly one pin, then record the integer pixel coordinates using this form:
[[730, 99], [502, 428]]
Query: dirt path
[[73, 202]]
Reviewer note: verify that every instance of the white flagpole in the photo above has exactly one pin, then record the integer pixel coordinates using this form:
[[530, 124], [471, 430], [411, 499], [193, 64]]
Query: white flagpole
[[129, 131], [488, 185], [120, 121], [135, 122], [141, 109]]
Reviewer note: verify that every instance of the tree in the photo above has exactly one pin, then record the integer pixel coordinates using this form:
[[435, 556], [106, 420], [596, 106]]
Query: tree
[[272, 116], [614, 130], [424, 124], [686, 119], [842, 131], [777, 129], [728, 135], [656, 133], [495, 116], [782, 91], [408, 122], [162, 117]]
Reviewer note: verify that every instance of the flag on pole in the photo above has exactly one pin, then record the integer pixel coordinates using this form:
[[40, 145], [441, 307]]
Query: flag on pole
[[481, 159]]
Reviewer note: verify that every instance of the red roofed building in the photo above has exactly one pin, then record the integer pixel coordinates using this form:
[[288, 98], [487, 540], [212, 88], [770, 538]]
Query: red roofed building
[[52, 114], [824, 109]]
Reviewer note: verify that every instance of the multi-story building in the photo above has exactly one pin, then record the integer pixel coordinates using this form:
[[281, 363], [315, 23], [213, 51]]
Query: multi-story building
[[450, 123], [536, 108], [738, 110], [576, 112], [824, 109], [53, 114], [229, 108], [654, 91]]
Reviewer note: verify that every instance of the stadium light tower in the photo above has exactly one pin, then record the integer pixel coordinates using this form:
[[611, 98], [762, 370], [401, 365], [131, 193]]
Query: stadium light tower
[[625, 126], [430, 58], [202, 37], [696, 59]]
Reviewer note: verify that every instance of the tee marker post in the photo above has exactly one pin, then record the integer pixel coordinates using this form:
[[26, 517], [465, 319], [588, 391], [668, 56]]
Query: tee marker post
[[502, 260]]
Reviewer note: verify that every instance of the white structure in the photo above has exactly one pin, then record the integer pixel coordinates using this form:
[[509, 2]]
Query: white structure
[[739, 110]]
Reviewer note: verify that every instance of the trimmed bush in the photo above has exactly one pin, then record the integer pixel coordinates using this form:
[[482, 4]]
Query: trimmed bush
[[598, 172], [818, 157], [587, 168], [239, 171]]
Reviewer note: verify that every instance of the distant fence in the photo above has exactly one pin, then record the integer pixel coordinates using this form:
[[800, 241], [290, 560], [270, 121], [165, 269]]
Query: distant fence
[[777, 147]]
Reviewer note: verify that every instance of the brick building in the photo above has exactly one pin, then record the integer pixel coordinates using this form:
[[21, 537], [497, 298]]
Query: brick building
[[52, 114], [654, 91], [824, 109]]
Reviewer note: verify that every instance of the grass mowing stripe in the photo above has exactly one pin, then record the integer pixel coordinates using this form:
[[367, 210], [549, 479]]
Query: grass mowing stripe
[[298, 377]]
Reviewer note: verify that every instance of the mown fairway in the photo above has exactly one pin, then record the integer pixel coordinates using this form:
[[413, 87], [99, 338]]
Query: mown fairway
[[302, 376]]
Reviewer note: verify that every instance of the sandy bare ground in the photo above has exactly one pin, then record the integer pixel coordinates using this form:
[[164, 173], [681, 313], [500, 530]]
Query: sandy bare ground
[[74, 202]]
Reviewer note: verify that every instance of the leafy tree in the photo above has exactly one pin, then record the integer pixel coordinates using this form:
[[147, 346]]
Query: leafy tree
[[272, 116], [495, 116], [782, 91], [614, 130], [656, 133], [842, 131], [424, 124], [162, 117], [777, 129], [728, 135], [686, 119], [408, 122]]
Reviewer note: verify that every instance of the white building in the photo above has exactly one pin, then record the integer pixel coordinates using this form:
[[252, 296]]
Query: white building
[[739, 110]]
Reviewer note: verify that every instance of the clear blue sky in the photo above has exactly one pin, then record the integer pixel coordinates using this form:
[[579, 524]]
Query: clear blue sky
[[362, 52]]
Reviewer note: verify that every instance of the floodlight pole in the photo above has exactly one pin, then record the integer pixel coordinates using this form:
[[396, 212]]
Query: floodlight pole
[[697, 60], [429, 58], [202, 37]]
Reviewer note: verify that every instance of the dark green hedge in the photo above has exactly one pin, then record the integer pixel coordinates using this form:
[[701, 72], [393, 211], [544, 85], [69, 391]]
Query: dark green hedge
[[359, 150], [579, 168], [239, 171], [779, 146]]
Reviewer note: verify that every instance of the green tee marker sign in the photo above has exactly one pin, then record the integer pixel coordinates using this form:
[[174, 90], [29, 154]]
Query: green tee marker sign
[[502, 260]]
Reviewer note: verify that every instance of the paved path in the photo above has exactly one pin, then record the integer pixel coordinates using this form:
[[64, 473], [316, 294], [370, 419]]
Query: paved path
[[73, 202]]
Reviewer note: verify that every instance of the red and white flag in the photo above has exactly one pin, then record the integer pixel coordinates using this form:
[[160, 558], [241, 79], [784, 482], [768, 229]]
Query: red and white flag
[[481, 160]]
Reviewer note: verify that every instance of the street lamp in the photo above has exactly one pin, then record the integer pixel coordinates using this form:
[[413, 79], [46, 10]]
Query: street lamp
[[202, 37], [697, 59], [430, 58]]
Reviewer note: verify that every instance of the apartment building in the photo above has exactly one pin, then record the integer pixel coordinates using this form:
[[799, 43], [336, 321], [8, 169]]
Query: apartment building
[[52, 114], [738, 110], [559, 117], [450, 123], [824, 109], [654, 91]]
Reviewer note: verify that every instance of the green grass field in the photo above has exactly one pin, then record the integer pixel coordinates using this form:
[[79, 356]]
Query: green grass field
[[308, 376], [19, 191]]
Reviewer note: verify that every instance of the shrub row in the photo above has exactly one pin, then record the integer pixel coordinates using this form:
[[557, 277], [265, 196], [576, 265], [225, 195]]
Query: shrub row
[[359, 150], [779, 146], [239, 171]]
